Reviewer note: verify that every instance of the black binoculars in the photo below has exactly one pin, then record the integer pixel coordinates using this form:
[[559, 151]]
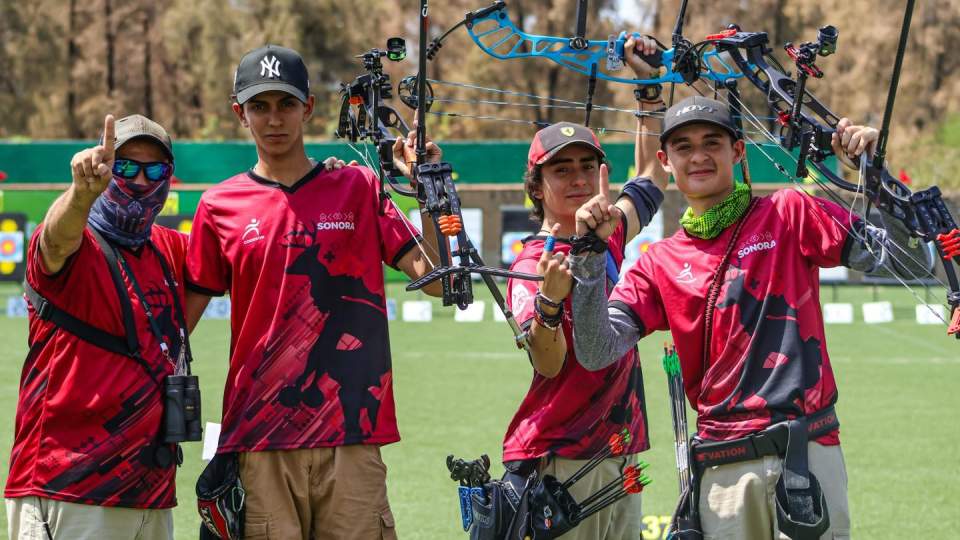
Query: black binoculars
[[181, 409]]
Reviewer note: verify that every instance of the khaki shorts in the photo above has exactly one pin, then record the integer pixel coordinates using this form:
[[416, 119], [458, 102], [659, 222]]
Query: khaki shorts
[[335, 493], [615, 522], [27, 517], [737, 500]]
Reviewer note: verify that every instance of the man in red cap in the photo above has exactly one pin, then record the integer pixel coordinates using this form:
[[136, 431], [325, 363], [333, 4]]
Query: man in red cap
[[569, 413]]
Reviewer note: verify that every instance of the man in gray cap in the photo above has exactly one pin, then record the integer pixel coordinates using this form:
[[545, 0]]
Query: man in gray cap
[[90, 458], [733, 286]]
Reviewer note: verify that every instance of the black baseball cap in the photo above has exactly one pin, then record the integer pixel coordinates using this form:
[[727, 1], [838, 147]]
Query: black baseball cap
[[554, 138], [697, 110], [137, 126], [271, 67]]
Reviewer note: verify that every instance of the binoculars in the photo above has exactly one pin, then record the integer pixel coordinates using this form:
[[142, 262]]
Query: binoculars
[[181, 409]]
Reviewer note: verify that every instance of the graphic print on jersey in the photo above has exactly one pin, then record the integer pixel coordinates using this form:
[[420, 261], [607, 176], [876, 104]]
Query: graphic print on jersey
[[781, 367], [160, 302], [352, 356]]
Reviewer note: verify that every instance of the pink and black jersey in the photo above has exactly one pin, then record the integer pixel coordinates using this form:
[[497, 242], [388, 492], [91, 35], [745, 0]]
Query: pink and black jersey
[[310, 357], [573, 414], [88, 420], [767, 359]]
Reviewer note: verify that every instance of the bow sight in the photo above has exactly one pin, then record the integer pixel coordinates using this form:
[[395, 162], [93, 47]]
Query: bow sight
[[814, 143], [373, 119], [365, 117]]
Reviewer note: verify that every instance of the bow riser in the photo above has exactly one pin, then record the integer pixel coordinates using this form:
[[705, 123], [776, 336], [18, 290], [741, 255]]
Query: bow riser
[[499, 37]]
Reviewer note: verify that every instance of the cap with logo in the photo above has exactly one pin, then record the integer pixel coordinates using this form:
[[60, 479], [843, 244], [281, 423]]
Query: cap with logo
[[554, 138], [697, 110], [137, 126], [271, 67]]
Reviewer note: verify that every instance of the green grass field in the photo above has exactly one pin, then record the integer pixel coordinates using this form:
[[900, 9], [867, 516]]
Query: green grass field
[[458, 384]]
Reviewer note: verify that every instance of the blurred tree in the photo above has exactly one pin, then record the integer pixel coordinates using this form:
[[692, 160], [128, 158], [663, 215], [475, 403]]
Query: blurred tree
[[64, 63]]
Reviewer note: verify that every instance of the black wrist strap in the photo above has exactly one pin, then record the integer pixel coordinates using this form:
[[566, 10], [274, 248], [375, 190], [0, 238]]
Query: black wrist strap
[[589, 242]]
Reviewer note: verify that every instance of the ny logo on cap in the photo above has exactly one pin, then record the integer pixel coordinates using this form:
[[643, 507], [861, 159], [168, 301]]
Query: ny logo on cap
[[270, 67], [568, 131], [692, 108]]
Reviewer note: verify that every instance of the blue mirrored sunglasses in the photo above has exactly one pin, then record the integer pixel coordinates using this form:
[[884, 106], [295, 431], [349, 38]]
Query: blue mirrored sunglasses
[[156, 171]]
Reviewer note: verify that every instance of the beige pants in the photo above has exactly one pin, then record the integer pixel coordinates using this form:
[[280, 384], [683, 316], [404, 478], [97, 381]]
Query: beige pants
[[316, 494], [738, 500], [615, 522], [27, 517]]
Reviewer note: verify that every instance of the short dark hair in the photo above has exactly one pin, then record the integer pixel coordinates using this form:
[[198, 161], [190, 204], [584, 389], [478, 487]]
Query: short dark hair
[[533, 182]]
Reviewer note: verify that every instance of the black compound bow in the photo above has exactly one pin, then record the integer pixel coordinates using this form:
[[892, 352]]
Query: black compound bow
[[807, 124], [435, 190]]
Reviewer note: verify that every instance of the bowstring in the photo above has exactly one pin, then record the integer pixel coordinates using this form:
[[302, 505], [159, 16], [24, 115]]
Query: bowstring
[[555, 103], [367, 160]]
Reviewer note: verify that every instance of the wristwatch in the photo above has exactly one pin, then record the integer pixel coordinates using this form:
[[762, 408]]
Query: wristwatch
[[648, 92]]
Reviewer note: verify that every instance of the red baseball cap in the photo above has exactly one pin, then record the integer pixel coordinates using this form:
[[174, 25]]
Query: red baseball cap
[[554, 138]]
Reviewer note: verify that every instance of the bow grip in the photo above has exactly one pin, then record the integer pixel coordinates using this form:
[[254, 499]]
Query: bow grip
[[616, 52]]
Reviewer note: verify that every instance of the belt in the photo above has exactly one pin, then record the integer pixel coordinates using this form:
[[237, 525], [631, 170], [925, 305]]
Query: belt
[[772, 441]]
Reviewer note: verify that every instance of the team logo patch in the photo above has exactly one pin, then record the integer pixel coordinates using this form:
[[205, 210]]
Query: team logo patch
[[270, 67], [685, 275], [251, 233], [567, 131], [519, 299], [336, 221], [758, 242]]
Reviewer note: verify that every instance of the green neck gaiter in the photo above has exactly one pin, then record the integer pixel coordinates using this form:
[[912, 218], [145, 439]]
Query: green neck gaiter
[[719, 217]]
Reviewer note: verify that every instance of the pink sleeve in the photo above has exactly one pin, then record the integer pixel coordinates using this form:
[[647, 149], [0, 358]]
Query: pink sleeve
[[617, 243], [397, 235], [207, 271], [638, 294], [821, 227], [521, 292]]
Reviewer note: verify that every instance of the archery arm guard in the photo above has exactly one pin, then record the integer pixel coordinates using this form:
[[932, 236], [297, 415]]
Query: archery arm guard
[[645, 196], [598, 341]]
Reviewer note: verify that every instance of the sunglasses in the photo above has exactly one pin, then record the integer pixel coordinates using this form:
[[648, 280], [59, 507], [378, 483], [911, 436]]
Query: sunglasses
[[156, 171]]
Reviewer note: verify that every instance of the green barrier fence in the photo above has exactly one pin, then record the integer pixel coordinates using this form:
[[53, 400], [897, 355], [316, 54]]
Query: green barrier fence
[[498, 162]]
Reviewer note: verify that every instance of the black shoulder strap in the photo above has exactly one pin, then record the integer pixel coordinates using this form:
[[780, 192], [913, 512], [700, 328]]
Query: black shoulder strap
[[179, 311], [126, 306], [128, 345], [60, 318]]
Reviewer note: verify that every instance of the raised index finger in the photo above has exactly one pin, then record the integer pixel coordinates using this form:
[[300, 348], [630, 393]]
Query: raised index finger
[[604, 181], [109, 134]]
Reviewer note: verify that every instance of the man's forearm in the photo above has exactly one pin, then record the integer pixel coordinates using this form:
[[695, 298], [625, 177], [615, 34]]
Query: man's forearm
[[432, 246], [601, 334], [647, 143], [548, 349], [63, 227]]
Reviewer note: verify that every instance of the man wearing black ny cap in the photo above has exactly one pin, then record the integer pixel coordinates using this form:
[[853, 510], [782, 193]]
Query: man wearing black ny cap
[[736, 286], [88, 457], [309, 395]]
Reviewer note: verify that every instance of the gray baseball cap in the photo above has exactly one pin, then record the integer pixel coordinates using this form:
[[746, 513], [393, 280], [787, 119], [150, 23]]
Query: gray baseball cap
[[271, 67], [137, 126], [697, 110]]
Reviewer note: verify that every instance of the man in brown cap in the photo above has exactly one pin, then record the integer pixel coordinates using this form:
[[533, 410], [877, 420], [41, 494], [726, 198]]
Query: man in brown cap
[[89, 458]]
